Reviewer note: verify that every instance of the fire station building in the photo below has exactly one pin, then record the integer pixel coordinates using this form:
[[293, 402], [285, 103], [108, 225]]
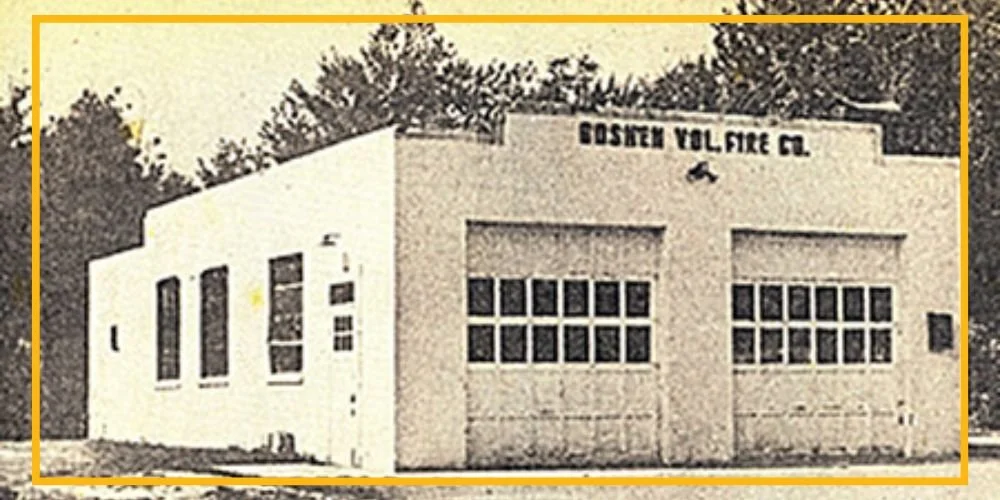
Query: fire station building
[[575, 291]]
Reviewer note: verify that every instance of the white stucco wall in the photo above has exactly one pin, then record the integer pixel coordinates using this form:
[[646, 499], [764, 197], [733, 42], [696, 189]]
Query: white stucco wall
[[347, 189]]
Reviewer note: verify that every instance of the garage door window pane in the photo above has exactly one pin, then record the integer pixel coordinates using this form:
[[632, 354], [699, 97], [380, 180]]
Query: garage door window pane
[[481, 348], [637, 299], [771, 303], [827, 346], [480, 297], [771, 346], [575, 303], [854, 304], [512, 298], [543, 344], [854, 346], [881, 345], [799, 345], [543, 297], [513, 344], [743, 306], [608, 344], [576, 344], [743, 342], [799, 303], [881, 304], [826, 303], [607, 299], [637, 344]]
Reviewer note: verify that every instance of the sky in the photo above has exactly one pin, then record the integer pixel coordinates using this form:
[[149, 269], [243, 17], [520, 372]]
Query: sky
[[192, 84]]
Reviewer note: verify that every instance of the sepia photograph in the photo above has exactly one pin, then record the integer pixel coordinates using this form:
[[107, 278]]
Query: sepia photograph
[[486, 256]]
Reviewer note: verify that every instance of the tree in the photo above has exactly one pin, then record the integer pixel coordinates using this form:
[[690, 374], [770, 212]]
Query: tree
[[231, 160], [15, 266], [688, 86], [867, 72]]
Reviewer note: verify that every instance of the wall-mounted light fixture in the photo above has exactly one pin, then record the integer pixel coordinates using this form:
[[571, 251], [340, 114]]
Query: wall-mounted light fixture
[[701, 171], [330, 240]]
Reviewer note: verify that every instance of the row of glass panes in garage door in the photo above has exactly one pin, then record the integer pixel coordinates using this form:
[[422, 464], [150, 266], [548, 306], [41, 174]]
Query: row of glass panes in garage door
[[801, 323], [577, 344], [547, 320], [570, 298]]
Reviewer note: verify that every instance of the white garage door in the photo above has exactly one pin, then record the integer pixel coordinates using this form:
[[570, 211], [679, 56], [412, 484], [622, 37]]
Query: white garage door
[[559, 342], [814, 344]]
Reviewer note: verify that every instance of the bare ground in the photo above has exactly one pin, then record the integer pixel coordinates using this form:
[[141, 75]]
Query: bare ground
[[82, 458]]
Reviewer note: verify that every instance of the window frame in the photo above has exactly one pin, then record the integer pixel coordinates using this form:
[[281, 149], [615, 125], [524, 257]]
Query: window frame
[[162, 378], [559, 320], [225, 308], [272, 342]]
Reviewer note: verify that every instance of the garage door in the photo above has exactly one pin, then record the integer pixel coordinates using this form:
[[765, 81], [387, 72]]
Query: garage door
[[814, 344], [560, 335]]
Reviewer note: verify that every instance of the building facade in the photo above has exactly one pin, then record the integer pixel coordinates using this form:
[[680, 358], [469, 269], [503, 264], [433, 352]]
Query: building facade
[[585, 290]]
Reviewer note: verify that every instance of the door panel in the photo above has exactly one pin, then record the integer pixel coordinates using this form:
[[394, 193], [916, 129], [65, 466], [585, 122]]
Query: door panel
[[561, 417]]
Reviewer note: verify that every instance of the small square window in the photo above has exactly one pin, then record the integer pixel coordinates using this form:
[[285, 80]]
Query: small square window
[[772, 346], [575, 298], [607, 344], [512, 298], [637, 347], [854, 303], [826, 303], [637, 299], [941, 334], [481, 347], [880, 304], [607, 301], [771, 303], [743, 346], [480, 297], [544, 347], [576, 344], [743, 306], [854, 346], [513, 344], [827, 346], [880, 345], [799, 303], [799, 345], [543, 297], [341, 293]]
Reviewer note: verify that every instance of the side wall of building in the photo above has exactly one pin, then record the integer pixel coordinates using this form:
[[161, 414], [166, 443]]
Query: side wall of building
[[342, 194], [544, 176]]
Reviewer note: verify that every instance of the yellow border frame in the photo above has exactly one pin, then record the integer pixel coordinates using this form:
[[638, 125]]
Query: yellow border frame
[[470, 479]]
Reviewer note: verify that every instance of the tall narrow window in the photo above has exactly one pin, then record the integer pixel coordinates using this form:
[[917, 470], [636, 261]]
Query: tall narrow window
[[285, 328], [215, 322], [168, 326]]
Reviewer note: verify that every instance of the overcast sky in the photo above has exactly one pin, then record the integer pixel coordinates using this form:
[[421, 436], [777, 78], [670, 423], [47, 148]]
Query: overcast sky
[[192, 84]]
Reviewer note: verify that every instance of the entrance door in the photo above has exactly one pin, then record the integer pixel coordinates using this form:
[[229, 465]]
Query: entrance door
[[344, 333]]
